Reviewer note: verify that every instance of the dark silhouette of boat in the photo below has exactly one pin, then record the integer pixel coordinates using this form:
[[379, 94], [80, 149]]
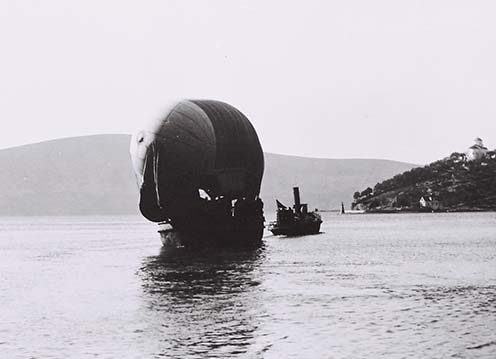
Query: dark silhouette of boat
[[295, 221], [199, 171]]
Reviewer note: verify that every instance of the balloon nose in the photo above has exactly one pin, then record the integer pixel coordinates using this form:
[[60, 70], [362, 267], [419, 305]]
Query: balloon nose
[[140, 143]]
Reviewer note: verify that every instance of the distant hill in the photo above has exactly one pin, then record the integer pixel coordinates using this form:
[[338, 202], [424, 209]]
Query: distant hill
[[450, 184], [93, 175], [81, 175], [324, 183]]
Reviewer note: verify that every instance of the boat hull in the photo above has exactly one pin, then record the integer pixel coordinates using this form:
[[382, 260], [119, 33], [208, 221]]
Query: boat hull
[[231, 233], [295, 229]]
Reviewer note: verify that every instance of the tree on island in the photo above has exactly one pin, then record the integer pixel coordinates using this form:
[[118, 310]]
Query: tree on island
[[367, 192]]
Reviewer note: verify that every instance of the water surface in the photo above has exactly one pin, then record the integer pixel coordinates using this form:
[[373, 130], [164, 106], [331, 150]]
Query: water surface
[[392, 286]]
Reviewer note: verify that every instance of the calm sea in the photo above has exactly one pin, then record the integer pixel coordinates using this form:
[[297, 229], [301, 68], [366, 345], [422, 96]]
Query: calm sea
[[370, 286]]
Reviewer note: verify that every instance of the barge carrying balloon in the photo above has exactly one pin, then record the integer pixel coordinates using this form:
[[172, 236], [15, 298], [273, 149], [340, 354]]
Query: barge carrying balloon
[[199, 170]]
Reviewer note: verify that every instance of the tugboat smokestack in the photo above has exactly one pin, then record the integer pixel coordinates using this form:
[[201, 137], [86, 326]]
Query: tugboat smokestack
[[297, 203]]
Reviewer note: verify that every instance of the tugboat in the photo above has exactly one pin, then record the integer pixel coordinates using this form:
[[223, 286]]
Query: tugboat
[[199, 170], [295, 221]]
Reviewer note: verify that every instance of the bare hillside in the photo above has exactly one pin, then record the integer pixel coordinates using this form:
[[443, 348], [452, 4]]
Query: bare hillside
[[93, 175]]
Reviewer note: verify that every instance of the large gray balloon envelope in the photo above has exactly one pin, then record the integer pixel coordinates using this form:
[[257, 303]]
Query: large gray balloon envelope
[[199, 144]]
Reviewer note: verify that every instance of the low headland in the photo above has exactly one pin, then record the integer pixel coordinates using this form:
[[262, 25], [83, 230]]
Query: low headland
[[462, 182]]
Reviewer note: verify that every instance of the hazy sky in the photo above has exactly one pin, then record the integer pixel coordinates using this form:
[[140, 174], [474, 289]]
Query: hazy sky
[[403, 80]]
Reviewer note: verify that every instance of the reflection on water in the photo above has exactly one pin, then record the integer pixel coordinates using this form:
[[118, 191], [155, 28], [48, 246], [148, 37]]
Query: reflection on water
[[203, 302]]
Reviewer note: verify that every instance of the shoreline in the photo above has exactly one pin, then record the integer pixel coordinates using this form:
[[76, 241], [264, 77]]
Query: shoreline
[[399, 211]]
